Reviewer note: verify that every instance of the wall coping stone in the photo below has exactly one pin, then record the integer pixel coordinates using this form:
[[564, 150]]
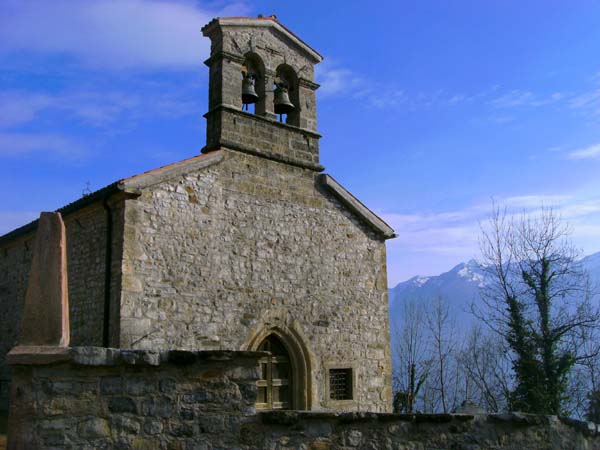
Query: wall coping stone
[[288, 418], [104, 356]]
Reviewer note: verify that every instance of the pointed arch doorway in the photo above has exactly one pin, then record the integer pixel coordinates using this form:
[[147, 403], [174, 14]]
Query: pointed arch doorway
[[276, 381], [285, 374]]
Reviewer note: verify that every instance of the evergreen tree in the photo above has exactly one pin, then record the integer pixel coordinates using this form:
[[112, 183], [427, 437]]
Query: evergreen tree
[[538, 301]]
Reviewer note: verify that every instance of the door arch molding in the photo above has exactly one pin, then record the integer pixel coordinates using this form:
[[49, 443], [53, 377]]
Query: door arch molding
[[300, 362]]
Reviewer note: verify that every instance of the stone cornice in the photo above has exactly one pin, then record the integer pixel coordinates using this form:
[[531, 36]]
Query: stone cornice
[[103, 356], [229, 108], [357, 207], [144, 180], [224, 144], [224, 55], [308, 84], [269, 22]]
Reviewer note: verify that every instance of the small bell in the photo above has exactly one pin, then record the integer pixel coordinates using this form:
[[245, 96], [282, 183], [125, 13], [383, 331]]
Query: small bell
[[249, 94], [282, 102]]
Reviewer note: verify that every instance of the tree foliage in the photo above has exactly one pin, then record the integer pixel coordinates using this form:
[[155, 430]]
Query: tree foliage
[[539, 301]]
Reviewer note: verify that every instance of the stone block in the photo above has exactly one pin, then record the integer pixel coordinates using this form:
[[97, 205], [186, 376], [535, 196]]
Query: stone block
[[93, 427], [122, 405], [45, 319]]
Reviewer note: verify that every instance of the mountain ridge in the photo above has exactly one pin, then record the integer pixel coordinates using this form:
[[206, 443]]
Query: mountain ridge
[[460, 286]]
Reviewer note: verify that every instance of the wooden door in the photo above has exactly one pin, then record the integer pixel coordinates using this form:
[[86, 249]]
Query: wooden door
[[275, 384]]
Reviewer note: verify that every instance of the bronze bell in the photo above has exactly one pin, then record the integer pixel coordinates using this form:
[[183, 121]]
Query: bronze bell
[[249, 94], [282, 102]]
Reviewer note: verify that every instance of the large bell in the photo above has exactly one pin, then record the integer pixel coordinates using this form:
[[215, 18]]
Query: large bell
[[282, 101], [249, 94]]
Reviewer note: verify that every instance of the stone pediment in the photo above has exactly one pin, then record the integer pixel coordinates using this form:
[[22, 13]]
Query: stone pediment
[[239, 44]]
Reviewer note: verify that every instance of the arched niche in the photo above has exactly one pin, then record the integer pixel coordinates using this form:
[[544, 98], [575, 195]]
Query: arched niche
[[286, 75], [254, 66], [299, 361]]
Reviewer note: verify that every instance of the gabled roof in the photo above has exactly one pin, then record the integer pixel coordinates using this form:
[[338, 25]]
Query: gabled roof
[[270, 21], [135, 184], [357, 207], [132, 185]]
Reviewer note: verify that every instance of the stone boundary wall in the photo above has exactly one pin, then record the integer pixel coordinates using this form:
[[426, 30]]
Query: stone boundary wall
[[379, 431], [97, 398]]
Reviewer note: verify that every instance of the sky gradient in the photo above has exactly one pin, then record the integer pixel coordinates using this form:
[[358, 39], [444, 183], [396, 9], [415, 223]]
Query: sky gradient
[[428, 110]]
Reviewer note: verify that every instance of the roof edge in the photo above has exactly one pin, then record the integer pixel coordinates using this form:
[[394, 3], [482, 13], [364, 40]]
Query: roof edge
[[130, 185], [160, 174], [72, 207], [263, 22], [357, 206]]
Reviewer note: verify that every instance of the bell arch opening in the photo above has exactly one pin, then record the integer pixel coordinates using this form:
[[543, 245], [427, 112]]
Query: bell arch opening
[[284, 375], [286, 101], [253, 84]]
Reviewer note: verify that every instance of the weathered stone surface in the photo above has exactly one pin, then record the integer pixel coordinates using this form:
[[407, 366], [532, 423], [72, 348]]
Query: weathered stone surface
[[86, 245], [216, 256], [45, 319], [32, 355], [264, 247], [87, 406]]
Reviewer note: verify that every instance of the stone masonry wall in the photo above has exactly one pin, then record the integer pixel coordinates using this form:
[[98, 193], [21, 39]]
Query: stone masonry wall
[[100, 398], [126, 399], [368, 431], [86, 237], [15, 260], [214, 257], [256, 134]]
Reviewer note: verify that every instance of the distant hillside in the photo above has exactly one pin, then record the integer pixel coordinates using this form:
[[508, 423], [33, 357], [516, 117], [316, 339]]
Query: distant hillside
[[459, 286]]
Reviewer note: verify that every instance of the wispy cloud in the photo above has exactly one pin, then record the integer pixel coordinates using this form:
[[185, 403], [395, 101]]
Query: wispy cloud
[[111, 34], [522, 98], [590, 152], [455, 233], [97, 108], [587, 102], [336, 80], [19, 144], [535, 201]]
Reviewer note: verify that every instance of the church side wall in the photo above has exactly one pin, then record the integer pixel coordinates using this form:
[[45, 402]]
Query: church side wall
[[15, 260], [214, 257], [86, 237]]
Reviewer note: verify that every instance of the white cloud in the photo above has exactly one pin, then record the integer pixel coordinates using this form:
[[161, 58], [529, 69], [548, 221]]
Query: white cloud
[[434, 241], [587, 103], [517, 98], [18, 144], [336, 80], [111, 34], [96, 108], [590, 152], [535, 201]]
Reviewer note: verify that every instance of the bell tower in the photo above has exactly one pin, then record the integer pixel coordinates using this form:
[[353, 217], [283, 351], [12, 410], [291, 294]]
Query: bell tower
[[262, 91]]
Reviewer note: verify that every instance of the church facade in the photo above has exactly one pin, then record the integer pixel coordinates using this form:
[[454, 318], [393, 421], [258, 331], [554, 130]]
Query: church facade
[[248, 246]]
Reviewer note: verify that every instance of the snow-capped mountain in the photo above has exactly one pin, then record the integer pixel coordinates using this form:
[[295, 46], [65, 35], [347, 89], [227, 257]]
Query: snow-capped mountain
[[460, 286]]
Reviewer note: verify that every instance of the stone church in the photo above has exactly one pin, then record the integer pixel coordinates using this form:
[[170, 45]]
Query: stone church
[[248, 246]]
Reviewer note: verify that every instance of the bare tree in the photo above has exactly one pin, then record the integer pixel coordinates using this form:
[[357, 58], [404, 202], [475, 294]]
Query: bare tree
[[444, 380], [539, 301], [485, 362], [411, 356]]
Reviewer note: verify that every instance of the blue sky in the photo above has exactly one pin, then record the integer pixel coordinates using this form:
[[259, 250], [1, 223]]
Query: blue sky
[[428, 109]]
